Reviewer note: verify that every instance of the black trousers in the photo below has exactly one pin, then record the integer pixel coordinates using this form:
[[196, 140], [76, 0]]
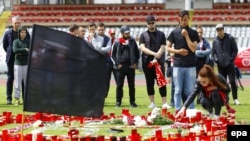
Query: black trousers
[[110, 69], [230, 72], [10, 79], [213, 103], [150, 77], [120, 76], [199, 64]]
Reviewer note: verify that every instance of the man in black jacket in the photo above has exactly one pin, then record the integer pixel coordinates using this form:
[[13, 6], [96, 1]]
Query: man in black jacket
[[125, 55], [224, 52], [8, 38]]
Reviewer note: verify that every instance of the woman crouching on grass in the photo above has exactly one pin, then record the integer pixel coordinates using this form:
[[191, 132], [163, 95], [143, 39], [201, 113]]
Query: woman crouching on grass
[[213, 92]]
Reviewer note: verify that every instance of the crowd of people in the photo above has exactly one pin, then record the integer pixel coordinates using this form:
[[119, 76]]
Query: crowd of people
[[190, 62]]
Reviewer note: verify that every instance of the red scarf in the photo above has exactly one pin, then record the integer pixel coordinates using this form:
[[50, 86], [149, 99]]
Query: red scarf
[[207, 93], [160, 78]]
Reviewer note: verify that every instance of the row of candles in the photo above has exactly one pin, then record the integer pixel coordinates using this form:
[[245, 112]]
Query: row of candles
[[213, 129]]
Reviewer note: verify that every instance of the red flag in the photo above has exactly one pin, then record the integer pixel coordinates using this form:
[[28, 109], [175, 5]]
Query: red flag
[[161, 81]]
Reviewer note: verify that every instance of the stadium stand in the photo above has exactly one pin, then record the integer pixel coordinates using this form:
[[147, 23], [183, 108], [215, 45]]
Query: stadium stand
[[231, 6], [63, 15], [130, 14]]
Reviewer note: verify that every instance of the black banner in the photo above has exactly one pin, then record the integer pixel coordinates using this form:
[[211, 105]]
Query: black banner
[[65, 75]]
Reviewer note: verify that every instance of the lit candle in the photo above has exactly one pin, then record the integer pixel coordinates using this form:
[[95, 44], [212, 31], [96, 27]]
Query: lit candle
[[113, 138], [164, 112], [123, 138], [158, 134], [125, 112], [112, 115], [39, 137], [198, 116], [5, 135], [100, 138], [208, 124]]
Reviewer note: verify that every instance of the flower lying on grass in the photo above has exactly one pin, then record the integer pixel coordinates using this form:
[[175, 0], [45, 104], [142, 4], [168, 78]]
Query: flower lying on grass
[[155, 118]]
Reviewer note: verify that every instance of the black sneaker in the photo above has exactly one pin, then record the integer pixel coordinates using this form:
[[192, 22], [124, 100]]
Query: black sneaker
[[134, 105], [9, 102], [118, 104]]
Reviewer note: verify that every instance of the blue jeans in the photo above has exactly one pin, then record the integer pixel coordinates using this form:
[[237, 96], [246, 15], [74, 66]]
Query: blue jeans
[[184, 81]]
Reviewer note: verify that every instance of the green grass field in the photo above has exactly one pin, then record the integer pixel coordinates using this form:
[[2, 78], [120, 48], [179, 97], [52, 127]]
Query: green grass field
[[142, 101]]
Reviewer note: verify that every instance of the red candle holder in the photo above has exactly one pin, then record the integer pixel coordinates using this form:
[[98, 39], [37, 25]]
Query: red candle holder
[[104, 117], [54, 138], [208, 124], [28, 137], [158, 134], [4, 113], [198, 116], [123, 138], [134, 135], [164, 112], [100, 138], [125, 112], [134, 132], [8, 117], [39, 137], [83, 138], [112, 115], [19, 118], [113, 138], [82, 120], [39, 116], [5, 135], [185, 120], [74, 138], [193, 119]]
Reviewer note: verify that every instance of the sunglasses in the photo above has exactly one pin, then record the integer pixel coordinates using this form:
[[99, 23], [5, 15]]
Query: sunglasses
[[151, 23]]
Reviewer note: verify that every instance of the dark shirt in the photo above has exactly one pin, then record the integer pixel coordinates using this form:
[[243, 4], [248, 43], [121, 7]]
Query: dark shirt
[[155, 37], [125, 57], [180, 42], [15, 35]]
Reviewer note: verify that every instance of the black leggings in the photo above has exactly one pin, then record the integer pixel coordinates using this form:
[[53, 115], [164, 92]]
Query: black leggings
[[214, 101], [150, 77]]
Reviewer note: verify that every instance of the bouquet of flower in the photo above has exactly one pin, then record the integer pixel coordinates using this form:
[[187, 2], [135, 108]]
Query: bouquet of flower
[[156, 118]]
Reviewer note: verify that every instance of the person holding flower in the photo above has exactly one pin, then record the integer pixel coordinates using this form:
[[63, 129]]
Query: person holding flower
[[213, 90]]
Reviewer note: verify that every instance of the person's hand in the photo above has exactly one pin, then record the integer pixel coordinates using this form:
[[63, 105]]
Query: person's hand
[[184, 33], [183, 52], [180, 113], [133, 66], [157, 55], [119, 66], [27, 49], [153, 62]]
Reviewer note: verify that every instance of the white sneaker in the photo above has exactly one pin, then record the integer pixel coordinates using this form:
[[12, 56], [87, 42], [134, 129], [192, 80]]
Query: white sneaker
[[236, 102], [216, 117], [152, 105], [165, 106]]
